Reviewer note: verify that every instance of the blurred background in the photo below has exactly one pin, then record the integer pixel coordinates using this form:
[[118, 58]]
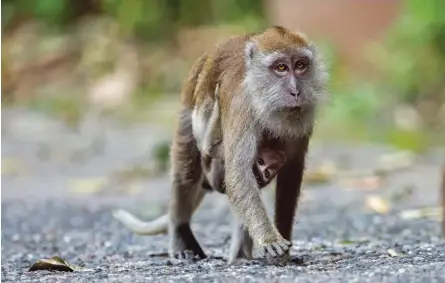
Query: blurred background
[[91, 85]]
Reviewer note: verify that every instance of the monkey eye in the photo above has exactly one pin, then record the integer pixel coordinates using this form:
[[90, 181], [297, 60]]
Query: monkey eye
[[281, 67], [260, 161], [301, 65], [267, 174]]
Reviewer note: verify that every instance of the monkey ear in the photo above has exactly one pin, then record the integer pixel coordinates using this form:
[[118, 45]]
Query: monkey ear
[[249, 51]]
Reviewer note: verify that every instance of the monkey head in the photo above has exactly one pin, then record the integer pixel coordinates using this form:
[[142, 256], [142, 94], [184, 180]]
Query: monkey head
[[283, 72], [267, 165]]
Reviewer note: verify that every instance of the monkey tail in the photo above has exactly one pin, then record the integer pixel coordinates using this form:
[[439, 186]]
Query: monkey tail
[[154, 227]]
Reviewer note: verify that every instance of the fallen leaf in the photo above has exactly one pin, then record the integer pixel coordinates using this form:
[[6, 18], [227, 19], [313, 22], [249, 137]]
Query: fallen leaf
[[55, 263], [378, 204], [133, 173], [433, 212], [320, 175], [132, 188], [11, 166], [364, 183], [87, 186], [392, 253], [353, 241], [395, 161]]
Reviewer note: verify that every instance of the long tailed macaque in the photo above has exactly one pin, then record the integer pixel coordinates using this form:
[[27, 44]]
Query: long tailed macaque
[[270, 84]]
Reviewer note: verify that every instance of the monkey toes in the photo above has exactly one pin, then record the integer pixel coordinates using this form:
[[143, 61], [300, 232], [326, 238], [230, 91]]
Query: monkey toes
[[184, 245], [188, 255], [275, 251]]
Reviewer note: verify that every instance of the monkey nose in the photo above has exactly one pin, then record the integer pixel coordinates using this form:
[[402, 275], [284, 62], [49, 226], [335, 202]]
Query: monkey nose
[[295, 93]]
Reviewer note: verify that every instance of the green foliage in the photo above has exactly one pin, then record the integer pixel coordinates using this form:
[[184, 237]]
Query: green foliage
[[415, 57], [161, 154], [160, 19], [47, 10], [67, 109], [153, 19], [233, 10], [412, 64]]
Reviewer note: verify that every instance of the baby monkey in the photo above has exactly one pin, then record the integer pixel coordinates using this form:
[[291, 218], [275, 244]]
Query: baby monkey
[[266, 167]]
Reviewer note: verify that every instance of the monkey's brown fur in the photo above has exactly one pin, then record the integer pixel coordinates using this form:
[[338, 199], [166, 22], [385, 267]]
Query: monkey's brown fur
[[260, 101], [265, 168]]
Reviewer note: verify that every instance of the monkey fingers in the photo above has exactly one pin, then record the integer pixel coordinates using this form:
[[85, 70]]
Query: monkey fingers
[[276, 249], [187, 255]]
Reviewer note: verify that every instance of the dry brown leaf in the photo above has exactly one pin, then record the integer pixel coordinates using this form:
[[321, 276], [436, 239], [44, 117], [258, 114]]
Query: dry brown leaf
[[365, 183], [392, 253], [11, 166], [378, 204], [322, 174], [53, 264], [132, 188], [87, 186], [433, 212]]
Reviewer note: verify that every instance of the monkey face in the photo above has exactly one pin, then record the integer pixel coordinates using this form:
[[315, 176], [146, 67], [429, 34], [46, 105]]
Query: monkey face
[[291, 77], [268, 163]]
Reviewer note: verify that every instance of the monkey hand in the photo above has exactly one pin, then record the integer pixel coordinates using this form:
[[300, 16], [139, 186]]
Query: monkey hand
[[277, 251]]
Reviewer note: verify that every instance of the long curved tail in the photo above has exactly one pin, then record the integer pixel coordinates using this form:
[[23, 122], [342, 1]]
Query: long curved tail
[[154, 227]]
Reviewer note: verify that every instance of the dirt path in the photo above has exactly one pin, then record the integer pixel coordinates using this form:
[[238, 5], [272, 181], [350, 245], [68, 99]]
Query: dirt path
[[44, 213]]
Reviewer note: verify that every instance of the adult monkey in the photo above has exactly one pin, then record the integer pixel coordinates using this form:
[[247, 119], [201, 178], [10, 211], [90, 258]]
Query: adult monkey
[[269, 86]]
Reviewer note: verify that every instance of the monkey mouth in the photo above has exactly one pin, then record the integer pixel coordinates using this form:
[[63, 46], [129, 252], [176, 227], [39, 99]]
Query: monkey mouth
[[259, 181], [296, 109]]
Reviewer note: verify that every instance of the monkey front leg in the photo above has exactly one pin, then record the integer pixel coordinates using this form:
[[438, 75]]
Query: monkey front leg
[[244, 195], [288, 189], [249, 206]]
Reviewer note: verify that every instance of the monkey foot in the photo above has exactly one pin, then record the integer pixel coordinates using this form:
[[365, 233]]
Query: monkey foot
[[185, 245], [277, 250], [188, 255]]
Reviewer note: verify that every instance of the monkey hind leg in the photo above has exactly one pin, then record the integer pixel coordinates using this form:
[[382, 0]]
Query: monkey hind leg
[[187, 193], [137, 226], [183, 244], [242, 244]]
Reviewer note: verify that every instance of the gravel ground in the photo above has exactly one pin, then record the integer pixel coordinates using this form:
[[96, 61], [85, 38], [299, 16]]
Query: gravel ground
[[337, 237]]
